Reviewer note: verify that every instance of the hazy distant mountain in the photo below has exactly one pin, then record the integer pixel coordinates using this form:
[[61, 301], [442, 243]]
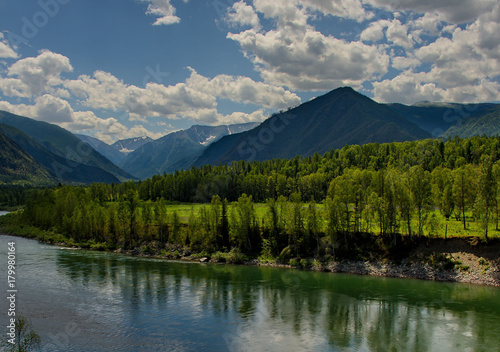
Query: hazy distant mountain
[[127, 146], [177, 150], [436, 118], [110, 152], [17, 166], [71, 152], [487, 124], [333, 120]]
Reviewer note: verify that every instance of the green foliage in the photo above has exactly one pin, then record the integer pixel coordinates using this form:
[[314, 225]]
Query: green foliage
[[380, 190], [26, 338], [234, 256]]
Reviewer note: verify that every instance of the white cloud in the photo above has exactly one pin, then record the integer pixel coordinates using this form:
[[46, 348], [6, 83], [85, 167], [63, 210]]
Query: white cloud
[[341, 8], [403, 63], [164, 10], [244, 90], [375, 31], [241, 14], [46, 108], [35, 75], [453, 11], [310, 60], [58, 111], [213, 117], [6, 51], [194, 98], [406, 88], [397, 34]]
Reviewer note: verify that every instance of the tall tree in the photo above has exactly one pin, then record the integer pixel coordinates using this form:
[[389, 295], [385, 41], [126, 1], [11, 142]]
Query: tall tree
[[486, 193], [420, 186], [462, 192]]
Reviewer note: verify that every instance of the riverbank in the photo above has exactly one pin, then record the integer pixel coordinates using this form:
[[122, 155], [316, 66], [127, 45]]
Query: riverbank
[[464, 260], [453, 260]]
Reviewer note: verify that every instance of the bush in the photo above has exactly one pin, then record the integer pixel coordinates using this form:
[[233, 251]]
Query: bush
[[285, 255], [235, 257], [219, 257], [304, 263], [200, 255], [99, 246], [317, 265]]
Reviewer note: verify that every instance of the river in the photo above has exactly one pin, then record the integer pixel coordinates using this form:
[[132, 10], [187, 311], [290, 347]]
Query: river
[[93, 301]]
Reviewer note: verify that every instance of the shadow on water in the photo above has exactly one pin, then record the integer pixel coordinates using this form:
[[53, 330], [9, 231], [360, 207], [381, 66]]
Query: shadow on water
[[280, 309]]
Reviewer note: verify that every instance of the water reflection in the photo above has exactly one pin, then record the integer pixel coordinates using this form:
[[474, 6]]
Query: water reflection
[[256, 308]]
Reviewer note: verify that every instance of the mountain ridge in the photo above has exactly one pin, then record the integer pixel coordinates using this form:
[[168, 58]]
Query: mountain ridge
[[342, 116], [50, 141], [176, 150]]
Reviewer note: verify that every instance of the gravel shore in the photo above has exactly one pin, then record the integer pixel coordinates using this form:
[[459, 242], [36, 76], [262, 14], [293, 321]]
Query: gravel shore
[[452, 260]]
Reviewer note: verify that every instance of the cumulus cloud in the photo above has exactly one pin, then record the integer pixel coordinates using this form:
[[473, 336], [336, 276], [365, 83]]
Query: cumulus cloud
[[164, 10], [341, 8], [241, 14], [453, 11], [425, 49], [310, 60], [40, 80], [35, 76], [196, 98], [55, 110], [244, 90]]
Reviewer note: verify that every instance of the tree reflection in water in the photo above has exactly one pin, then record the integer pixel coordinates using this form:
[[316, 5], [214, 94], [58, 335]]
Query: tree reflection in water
[[279, 309]]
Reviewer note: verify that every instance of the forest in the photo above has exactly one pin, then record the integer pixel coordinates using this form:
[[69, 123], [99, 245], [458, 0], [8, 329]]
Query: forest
[[303, 207]]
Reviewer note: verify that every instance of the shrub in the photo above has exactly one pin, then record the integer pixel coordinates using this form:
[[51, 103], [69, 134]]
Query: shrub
[[285, 255], [235, 257], [219, 257]]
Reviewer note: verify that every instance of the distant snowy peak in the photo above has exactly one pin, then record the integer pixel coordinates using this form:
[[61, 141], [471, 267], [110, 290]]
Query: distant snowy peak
[[209, 140], [206, 135], [127, 146]]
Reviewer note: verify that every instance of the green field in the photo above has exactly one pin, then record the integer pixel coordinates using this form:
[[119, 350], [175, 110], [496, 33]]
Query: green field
[[440, 228]]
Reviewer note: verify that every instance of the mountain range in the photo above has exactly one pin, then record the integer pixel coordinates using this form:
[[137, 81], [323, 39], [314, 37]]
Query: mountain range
[[177, 150], [37, 152], [487, 123], [333, 120], [62, 155], [17, 166]]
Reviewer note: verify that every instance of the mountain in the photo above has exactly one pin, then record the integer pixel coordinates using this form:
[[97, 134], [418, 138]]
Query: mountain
[[436, 118], [110, 152], [333, 120], [59, 169], [487, 124], [17, 166], [64, 144], [177, 150], [127, 146]]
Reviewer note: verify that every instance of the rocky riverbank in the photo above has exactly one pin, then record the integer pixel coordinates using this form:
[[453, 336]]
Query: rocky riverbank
[[465, 260], [452, 260]]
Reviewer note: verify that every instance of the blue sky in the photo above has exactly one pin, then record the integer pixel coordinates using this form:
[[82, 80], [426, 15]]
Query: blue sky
[[115, 69]]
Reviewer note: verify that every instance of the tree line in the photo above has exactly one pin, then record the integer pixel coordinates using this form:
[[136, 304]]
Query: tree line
[[313, 205]]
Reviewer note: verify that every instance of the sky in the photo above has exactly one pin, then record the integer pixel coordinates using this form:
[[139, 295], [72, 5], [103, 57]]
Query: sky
[[116, 69]]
